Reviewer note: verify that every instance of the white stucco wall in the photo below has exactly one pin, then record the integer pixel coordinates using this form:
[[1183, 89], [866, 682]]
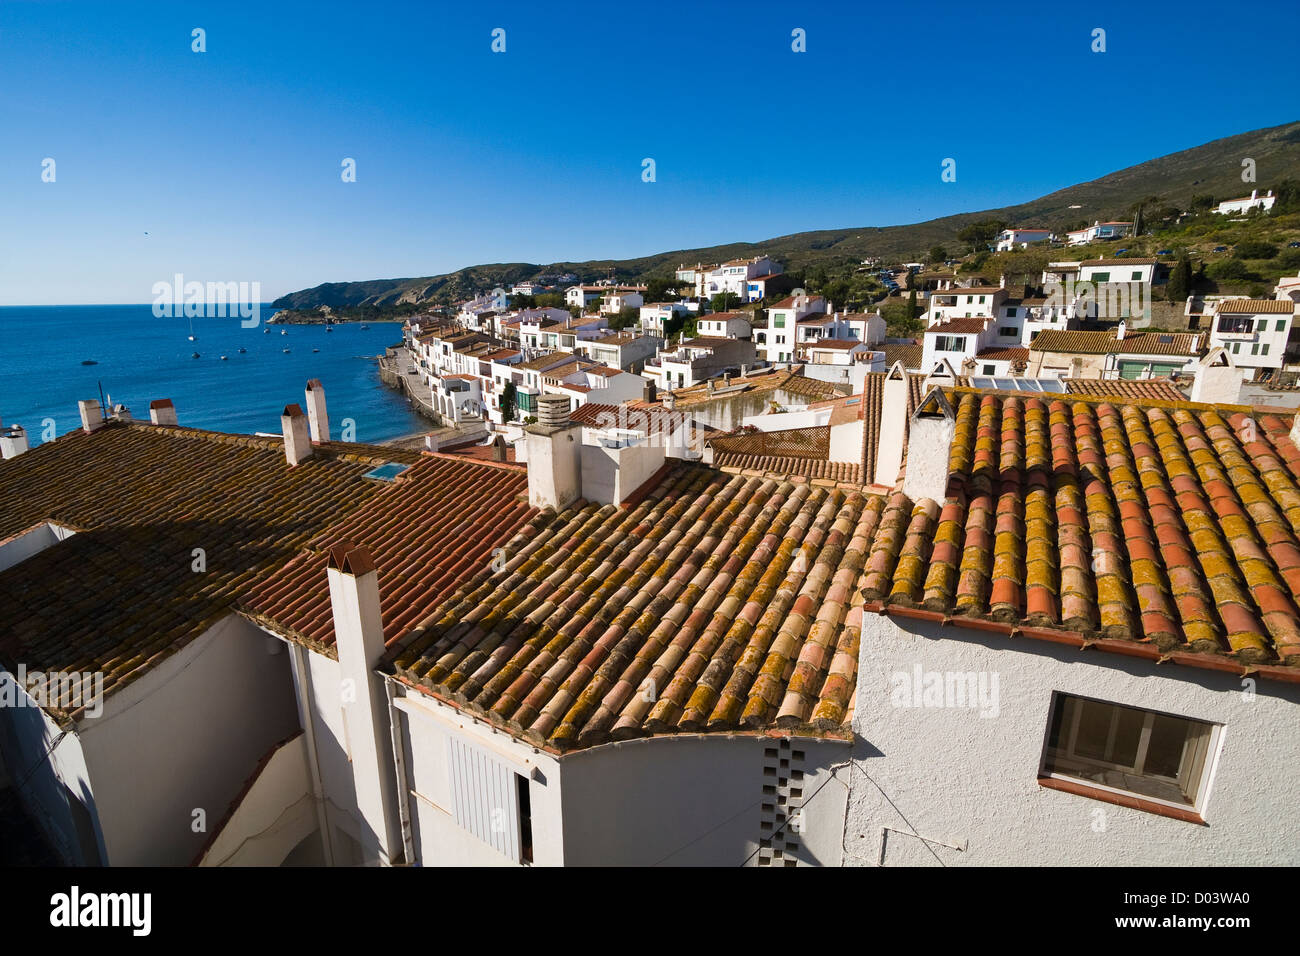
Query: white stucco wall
[[321, 687], [186, 736], [425, 726], [960, 779], [673, 800], [274, 816], [696, 800], [39, 766]]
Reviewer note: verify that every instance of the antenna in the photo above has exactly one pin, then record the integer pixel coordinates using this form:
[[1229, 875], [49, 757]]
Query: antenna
[[103, 406]]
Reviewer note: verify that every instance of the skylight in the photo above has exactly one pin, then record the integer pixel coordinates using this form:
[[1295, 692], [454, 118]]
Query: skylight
[[386, 472], [1020, 384]]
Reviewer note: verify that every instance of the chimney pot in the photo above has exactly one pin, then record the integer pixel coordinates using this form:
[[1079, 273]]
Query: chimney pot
[[162, 412], [297, 437], [553, 411], [316, 414], [92, 416], [13, 441]]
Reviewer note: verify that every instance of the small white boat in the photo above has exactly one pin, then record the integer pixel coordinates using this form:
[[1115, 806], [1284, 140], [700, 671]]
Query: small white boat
[[284, 331], [286, 351], [223, 358]]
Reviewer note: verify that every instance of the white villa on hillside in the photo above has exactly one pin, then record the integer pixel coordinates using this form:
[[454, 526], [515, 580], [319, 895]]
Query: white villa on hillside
[[1239, 207]]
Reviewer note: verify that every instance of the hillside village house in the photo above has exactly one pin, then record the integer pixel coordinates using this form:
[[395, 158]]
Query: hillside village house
[[1009, 239], [776, 341], [656, 316], [735, 276], [612, 303], [1239, 207], [697, 360], [1098, 231], [733, 325], [627, 349], [1064, 614], [1259, 333], [767, 287], [584, 295], [1115, 353]]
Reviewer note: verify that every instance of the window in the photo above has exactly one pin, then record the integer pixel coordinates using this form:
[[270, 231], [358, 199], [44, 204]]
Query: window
[[778, 320], [950, 343], [1261, 325], [1264, 350], [1101, 277], [982, 300], [1158, 756], [990, 370], [1137, 276], [1281, 326], [1009, 330], [1229, 323], [1236, 348], [1254, 349]]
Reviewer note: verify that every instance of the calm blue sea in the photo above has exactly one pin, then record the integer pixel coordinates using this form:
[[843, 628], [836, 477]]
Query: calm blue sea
[[142, 358]]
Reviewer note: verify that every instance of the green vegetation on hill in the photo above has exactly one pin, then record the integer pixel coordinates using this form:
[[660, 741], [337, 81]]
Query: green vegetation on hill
[[829, 260]]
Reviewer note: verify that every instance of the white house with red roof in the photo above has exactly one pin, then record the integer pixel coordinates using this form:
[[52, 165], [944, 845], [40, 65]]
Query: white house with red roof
[[777, 342]]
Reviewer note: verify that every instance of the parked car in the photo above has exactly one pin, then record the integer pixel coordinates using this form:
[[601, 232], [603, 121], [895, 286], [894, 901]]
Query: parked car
[[1293, 245], [1220, 248], [1164, 252]]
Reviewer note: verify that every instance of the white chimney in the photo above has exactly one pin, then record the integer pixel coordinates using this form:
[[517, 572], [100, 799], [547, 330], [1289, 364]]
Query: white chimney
[[1254, 193], [162, 412], [1119, 331], [359, 641], [297, 439], [1218, 380], [13, 441], [92, 416], [316, 415], [928, 444], [893, 426], [554, 447]]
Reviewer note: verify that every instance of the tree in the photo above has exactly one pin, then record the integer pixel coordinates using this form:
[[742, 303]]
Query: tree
[[938, 254], [911, 304], [1254, 249], [508, 402], [723, 301], [1201, 203], [626, 318], [660, 290], [1138, 224], [1180, 280], [979, 234]]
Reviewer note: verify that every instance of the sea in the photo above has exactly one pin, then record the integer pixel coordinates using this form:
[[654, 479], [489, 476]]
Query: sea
[[140, 357]]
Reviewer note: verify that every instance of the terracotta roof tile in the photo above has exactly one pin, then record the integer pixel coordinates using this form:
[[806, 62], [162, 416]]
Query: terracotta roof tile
[[716, 603], [120, 595], [433, 526], [1171, 524]]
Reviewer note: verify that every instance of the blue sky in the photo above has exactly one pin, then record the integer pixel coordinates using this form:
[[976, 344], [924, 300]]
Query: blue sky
[[230, 159]]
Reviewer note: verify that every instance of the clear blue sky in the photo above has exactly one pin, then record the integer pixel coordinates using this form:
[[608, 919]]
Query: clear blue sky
[[230, 159]]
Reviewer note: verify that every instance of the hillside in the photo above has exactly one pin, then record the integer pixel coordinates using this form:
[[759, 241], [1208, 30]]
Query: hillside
[[1212, 169]]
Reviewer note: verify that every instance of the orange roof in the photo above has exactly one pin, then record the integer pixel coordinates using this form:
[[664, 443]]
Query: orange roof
[[1256, 306]]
